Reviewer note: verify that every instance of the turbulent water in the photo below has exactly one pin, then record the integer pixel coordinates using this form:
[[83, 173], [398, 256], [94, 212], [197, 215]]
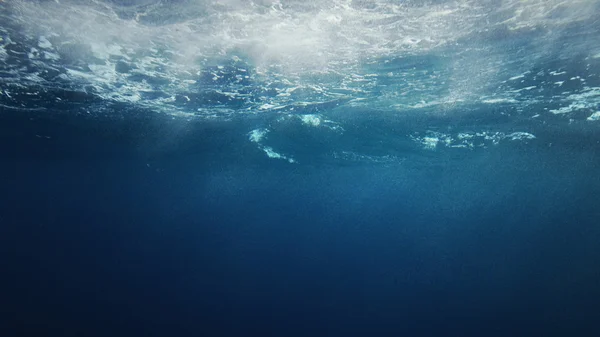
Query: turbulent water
[[300, 168], [320, 80]]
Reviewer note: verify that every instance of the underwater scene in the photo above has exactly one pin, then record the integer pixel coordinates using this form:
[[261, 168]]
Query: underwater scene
[[300, 168]]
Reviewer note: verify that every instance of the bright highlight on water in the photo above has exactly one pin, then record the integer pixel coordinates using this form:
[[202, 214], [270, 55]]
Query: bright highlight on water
[[439, 75]]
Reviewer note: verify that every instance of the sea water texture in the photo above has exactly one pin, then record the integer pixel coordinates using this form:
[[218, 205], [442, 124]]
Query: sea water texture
[[366, 167], [316, 78]]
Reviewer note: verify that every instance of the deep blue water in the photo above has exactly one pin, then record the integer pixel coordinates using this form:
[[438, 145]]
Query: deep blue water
[[445, 187], [96, 243]]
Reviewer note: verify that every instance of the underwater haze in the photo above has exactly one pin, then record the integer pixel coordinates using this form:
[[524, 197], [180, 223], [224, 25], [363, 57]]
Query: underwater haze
[[300, 168]]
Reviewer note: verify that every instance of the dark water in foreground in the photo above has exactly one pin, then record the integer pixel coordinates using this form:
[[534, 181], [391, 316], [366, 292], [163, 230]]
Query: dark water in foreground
[[299, 168], [102, 236]]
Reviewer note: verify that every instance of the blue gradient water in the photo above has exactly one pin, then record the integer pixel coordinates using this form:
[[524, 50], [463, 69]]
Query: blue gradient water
[[289, 168]]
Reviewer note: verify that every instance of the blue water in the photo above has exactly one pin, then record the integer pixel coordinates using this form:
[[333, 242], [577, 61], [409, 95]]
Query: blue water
[[289, 168]]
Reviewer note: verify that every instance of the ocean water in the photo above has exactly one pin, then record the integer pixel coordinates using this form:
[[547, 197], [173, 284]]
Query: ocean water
[[299, 168]]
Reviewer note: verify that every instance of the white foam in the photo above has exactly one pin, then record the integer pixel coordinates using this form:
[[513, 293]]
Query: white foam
[[594, 117], [44, 43], [587, 99], [430, 143], [81, 74], [499, 100], [257, 135], [267, 106], [567, 109], [468, 140], [51, 56], [33, 54], [275, 155], [516, 77], [105, 50], [306, 53], [311, 120], [104, 72], [520, 136]]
